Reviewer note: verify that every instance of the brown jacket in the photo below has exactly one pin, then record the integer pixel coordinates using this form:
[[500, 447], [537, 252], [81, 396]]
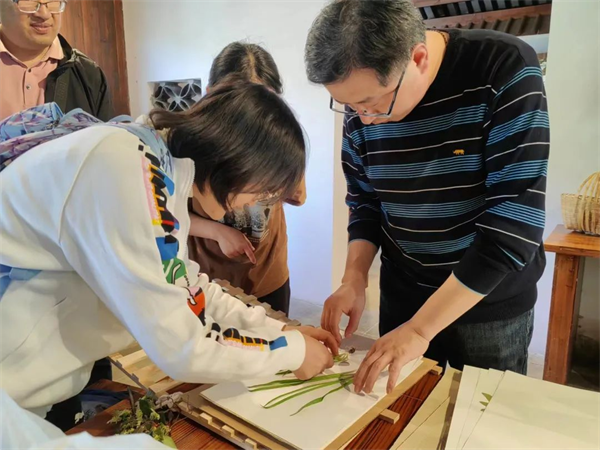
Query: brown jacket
[[264, 225]]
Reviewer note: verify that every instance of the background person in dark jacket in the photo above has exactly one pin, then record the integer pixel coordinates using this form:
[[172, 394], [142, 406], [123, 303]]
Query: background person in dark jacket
[[38, 66]]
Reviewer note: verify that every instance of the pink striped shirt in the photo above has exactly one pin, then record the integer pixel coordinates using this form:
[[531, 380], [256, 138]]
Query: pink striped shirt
[[23, 87]]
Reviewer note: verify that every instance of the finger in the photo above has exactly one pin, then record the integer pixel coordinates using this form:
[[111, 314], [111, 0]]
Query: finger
[[363, 370], [353, 322], [248, 250], [333, 322], [329, 363], [328, 322], [375, 370], [394, 373], [326, 338], [249, 243], [324, 317]]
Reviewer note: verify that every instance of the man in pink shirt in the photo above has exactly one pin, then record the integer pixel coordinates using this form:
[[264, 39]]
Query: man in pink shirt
[[37, 65]]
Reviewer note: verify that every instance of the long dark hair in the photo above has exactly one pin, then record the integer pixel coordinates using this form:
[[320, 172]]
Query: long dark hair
[[248, 61], [242, 137]]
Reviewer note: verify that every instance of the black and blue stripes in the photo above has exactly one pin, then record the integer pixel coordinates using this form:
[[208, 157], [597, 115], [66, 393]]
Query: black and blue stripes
[[458, 185]]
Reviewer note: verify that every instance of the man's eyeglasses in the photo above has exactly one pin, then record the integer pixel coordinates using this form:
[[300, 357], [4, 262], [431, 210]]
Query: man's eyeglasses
[[31, 7], [355, 113]]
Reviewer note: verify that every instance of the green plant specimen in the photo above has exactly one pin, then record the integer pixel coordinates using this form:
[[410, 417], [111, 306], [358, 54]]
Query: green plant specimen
[[143, 417]]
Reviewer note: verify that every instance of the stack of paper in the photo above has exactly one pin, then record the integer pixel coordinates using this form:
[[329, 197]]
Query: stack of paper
[[505, 410]]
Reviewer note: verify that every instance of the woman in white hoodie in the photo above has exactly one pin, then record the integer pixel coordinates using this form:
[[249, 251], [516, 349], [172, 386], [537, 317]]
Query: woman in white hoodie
[[93, 232]]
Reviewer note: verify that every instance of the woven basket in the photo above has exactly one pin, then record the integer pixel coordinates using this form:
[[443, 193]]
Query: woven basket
[[581, 212]]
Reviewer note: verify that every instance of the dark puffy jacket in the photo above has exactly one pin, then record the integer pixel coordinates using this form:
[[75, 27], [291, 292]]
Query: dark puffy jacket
[[78, 82]]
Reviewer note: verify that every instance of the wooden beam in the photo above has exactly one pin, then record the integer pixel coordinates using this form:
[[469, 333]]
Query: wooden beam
[[489, 16], [425, 3]]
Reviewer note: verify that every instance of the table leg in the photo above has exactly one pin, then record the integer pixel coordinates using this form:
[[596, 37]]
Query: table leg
[[561, 329]]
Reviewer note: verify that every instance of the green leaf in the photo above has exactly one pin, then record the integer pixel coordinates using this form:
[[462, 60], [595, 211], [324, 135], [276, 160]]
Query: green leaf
[[145, 406], [320, 399], [284, 372], [488, 397], [295, 393], [277, 384], [484, 403], [169, 442], [342, 357]]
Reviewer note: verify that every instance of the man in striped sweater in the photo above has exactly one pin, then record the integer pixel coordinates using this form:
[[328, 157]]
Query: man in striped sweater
[[445, 151]]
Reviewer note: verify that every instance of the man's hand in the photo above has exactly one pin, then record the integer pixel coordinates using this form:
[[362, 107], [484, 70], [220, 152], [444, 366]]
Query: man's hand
[[319, 334], [349, 299], [395, 349]]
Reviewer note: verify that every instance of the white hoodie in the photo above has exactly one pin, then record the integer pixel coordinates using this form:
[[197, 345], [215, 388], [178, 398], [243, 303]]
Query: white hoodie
[[107, 229]]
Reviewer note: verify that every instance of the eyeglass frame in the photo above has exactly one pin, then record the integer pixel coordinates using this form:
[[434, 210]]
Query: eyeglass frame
[[376, 115], [63, 4]]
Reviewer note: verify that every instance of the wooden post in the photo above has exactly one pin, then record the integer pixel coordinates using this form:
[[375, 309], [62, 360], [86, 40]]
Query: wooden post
[[561, 329]]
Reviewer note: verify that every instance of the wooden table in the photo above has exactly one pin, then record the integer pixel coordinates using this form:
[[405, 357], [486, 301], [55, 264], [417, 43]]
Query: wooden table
[[189, 435], [571, 248]]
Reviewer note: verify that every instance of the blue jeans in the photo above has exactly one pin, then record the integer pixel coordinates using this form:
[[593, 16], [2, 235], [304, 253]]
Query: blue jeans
[[500, 345]]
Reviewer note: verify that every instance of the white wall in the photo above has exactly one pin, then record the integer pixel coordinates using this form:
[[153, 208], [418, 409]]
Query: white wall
[[572, 83], [178, 39]]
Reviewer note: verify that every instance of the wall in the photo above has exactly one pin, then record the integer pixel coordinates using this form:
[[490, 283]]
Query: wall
[[177, 39], [572, 80], [103, 40]]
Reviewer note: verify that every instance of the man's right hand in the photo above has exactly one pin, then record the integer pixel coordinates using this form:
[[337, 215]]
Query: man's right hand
[[350, 300], [317, 358], [234, 243]]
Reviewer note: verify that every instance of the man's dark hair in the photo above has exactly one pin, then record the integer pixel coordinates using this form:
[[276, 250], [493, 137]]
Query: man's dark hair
[[242, 137], [362, 34], [249, 61]]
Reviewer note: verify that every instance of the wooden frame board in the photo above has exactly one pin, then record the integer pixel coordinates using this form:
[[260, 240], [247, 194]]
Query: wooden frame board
[[200, 410]]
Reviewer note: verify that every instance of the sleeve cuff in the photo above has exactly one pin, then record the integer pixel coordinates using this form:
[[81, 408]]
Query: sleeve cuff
[[365, 230], [295, 351], [478, 273], [273, 323]]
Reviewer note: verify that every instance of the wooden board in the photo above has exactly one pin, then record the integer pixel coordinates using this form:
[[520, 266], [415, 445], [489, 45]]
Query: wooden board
[[489, 16], [229, 419]]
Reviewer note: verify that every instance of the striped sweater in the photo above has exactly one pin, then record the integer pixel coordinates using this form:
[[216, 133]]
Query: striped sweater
[[459, 184]]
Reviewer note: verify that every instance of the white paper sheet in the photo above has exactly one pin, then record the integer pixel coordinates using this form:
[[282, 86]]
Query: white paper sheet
[[466, 393], [316, 426], [526, 413], [487, 384]]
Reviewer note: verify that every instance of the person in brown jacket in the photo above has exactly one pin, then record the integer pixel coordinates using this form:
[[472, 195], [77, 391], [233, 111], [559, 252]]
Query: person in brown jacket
[[249, 246]]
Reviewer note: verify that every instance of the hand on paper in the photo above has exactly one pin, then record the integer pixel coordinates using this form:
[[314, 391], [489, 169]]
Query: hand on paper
[[234, 243], [349, 299], [395, 349], [319, 334], [317, 358]]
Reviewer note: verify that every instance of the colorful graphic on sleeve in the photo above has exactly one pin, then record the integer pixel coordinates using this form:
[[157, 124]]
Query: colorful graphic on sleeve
[[159, 189], [197, 303], [232, 338]]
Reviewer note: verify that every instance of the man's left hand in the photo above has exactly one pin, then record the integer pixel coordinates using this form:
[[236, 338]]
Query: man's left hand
[[395, 349]]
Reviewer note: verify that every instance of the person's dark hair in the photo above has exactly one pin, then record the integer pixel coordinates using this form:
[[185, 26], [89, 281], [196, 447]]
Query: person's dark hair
[[360, 34], [242, 137], [249, 61]]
